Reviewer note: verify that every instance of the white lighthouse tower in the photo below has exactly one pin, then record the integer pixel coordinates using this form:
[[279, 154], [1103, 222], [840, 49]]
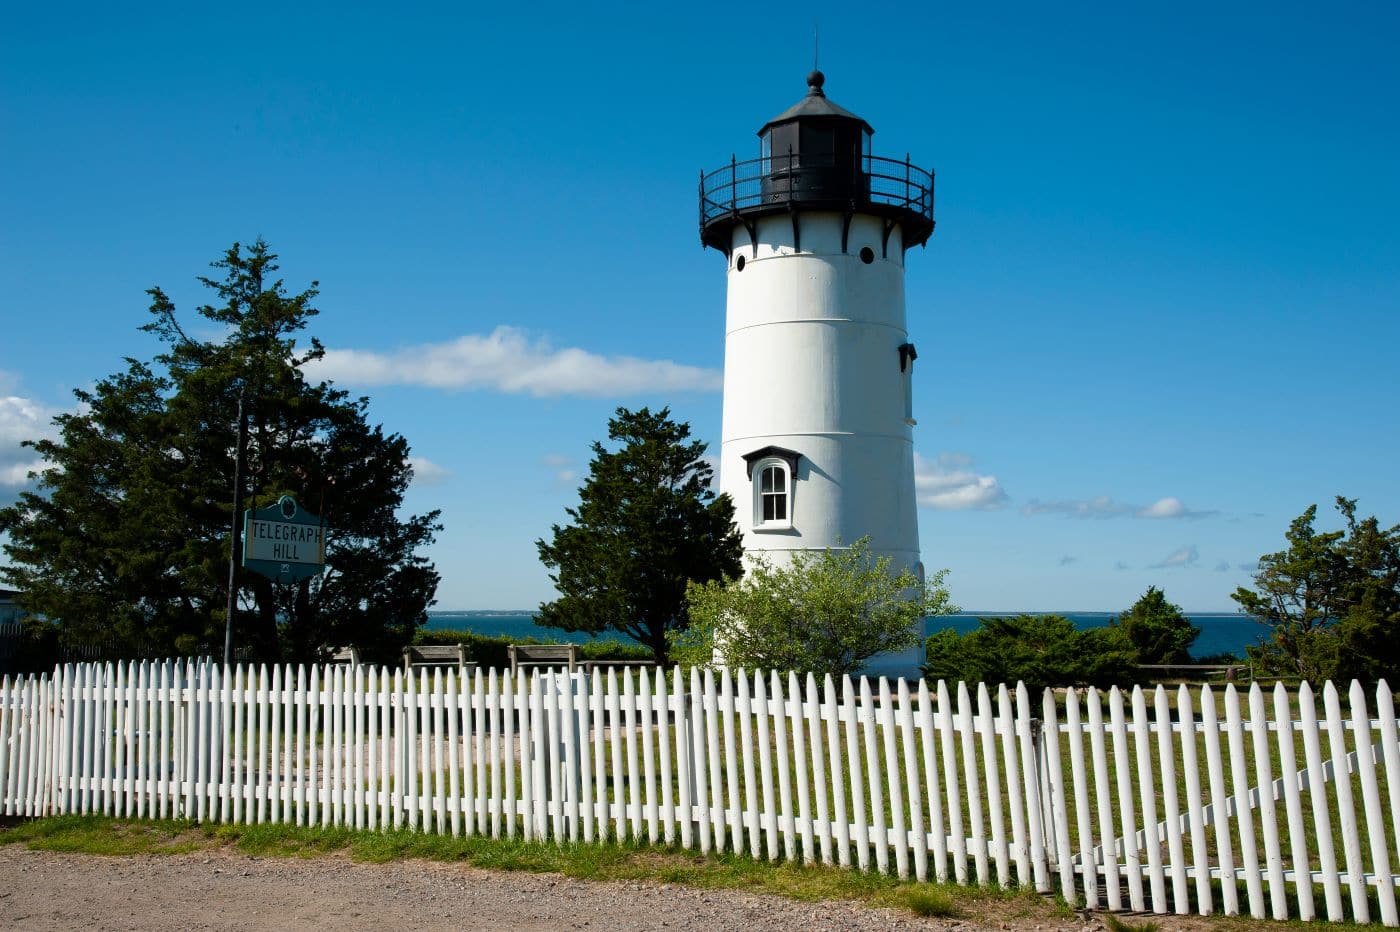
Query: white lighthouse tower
[[818, 423]]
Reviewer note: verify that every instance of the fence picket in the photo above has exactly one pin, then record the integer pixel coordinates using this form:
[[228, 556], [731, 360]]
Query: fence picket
[[684, 747], [634, 780], [951, 782], [1146, 780], [704, 744], [644, 697], [1351, 838], [662, 706], [508, 718], [972, 781], [600, 793], [1020, 844], [1288, 757], [1059, 807], [900, 836], [821, 814], [762, 713], [491, 737], [750, 811], [1088, 873], [831, 715], [539, 732], [1371, 800], [911, 775], [1390, 751], [780, 741], [1166, 756], [985, 723], [1035, 816], [1113, 888], [1268, 814], [615, 737], [849, 714], [1122, 766], [1244, 815]]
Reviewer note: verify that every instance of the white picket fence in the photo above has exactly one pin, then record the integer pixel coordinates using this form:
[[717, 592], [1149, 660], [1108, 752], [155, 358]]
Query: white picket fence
[[1158, 802]]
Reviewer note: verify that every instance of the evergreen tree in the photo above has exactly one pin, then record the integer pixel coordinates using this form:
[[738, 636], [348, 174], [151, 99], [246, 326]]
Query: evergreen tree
[[645, 527], [1158, 630], [127, 534], [1330, 600]]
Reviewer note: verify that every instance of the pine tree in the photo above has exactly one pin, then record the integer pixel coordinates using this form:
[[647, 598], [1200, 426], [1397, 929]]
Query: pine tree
[[646, 525], [127, 534]]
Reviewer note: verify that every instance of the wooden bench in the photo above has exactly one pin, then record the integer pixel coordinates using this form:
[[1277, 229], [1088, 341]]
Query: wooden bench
[[588, 666], [543, 655], [437, 655], [348, 655]]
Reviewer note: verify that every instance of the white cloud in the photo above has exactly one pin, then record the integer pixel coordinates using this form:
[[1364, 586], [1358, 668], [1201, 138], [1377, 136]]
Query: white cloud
[[947, 484], [562, 467], [1182, 556], [21, 419], [1171, 507], [1100, 507], [508, 360], [1103, 506], [426, 472]]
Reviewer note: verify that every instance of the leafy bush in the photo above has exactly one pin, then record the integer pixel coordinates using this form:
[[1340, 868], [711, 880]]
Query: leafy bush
[[828, 611], [1041, 650]]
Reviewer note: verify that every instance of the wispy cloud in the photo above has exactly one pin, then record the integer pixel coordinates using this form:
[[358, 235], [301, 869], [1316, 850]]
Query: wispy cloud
[[1182, 556], [509, 360], [1223, 566], [21, 419], [1103, 506], [1120, 566], [950, 484], [1100, 507], [426, 472], [1172, 507], [1068, 560], [562, 468]]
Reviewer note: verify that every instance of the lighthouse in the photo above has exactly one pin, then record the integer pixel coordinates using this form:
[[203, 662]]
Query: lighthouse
[[817, 438]]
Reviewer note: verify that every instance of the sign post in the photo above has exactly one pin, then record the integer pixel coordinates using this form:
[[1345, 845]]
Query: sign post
[[284, 542]]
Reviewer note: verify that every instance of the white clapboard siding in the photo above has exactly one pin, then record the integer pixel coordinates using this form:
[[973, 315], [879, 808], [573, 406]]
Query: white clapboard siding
[[1075, 791]]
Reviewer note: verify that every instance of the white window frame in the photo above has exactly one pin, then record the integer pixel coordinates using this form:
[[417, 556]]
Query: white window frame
[[784, 469]]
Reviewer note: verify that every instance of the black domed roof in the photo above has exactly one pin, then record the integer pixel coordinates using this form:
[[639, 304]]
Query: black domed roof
[[815, 104]]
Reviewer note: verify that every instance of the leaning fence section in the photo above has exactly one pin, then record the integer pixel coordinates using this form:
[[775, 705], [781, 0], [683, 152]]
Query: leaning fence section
[[1273, 803]]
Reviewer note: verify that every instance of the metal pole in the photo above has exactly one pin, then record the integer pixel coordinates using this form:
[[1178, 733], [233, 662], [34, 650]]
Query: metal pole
[[235, 539]]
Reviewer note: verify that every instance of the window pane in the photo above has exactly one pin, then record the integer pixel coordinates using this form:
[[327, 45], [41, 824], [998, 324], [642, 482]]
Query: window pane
[[780, 507], [767, 479], [779, 480], [768, 508]]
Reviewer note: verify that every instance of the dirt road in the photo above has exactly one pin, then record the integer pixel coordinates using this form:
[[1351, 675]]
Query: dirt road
[[226, 890]]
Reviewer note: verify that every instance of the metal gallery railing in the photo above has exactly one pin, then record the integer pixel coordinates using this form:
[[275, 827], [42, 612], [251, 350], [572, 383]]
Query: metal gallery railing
[[779, 179]]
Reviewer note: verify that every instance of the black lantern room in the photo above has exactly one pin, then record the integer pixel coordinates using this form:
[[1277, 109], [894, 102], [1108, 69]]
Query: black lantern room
[[815, 156]]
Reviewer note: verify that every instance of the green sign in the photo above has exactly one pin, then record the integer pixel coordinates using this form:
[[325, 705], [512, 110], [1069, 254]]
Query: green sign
[[284, 542]]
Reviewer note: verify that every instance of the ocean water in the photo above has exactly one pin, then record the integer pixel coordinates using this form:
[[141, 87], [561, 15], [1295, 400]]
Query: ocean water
[[1221, 632]]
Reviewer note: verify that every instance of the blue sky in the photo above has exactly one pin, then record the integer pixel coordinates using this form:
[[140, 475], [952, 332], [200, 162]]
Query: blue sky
[[1157, 320]]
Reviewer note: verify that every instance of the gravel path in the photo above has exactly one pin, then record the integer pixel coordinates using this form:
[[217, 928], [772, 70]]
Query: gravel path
[[226, 890]]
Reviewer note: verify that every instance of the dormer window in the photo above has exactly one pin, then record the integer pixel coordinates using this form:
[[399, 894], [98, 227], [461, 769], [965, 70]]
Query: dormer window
[[772, 470]]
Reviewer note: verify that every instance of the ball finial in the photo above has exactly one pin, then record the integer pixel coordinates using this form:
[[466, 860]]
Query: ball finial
[[815, 80]]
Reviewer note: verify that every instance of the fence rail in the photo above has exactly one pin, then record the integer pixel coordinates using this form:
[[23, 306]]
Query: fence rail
[[1169, 801]]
